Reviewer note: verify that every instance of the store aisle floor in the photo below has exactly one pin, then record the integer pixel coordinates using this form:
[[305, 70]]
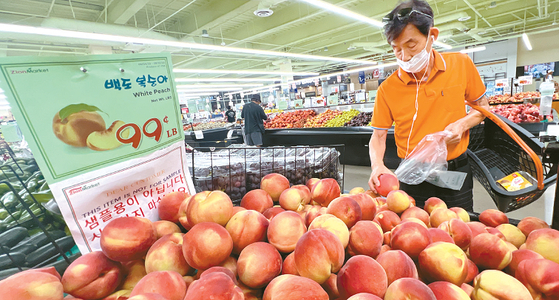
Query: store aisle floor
[[358, 176]]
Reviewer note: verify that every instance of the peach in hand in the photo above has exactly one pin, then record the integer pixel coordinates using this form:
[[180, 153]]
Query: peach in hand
[[387, 183]]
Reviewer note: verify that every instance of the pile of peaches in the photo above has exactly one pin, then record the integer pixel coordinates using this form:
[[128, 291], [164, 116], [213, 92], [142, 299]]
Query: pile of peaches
[[306, 242]]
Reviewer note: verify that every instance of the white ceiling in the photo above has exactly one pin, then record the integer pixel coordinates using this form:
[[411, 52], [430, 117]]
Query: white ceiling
[[295, 26]]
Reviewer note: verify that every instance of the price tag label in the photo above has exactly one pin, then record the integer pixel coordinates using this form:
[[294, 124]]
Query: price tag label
[[199, 134], [501, 83], [525, 80], [333, 100]]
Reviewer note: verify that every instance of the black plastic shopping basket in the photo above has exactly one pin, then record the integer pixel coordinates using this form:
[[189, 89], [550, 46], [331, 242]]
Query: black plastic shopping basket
[[499, 147]]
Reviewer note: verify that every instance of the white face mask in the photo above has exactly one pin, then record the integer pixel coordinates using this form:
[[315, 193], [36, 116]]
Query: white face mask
[[417, 63]]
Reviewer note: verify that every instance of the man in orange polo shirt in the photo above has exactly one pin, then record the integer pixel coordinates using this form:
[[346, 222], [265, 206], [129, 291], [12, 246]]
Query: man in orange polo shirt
[[426, 95]]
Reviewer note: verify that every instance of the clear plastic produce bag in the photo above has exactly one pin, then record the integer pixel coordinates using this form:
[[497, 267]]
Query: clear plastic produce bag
[[426, 160]]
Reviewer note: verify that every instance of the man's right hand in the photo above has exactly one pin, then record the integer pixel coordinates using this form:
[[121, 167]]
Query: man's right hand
[[376, 172]]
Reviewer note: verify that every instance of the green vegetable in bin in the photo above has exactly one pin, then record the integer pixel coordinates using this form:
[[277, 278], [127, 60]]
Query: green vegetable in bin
[[32, 185], [9, 200], [3, 214], [44, 186], [4, 188], [13, 236], [41, 197]]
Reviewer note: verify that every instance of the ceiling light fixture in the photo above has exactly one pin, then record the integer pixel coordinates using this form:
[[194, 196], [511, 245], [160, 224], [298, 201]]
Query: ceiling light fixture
[[144, 41], [474, 49], [205, 33], [225, 79], [310, 79], [493, 4], [196, 90], [199, 85], [527, 42], [197, 94], [465, 18], [353, 15], [255, 72]]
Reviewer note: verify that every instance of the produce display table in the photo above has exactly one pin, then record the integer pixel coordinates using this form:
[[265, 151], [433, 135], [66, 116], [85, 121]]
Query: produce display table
[[355, 139]]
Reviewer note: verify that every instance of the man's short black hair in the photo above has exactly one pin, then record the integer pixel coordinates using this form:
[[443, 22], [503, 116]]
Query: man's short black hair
[[421, 21], [256, 98]]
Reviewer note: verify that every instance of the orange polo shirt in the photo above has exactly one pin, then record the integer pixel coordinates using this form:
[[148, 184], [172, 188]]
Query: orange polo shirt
[[454, 78]]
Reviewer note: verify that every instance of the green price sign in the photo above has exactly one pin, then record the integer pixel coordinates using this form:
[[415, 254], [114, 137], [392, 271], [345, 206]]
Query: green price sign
[[333, 100]]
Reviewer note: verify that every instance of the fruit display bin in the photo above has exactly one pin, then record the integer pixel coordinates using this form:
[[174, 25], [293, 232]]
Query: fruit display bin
[[494, 154], [31, 235], [237, 170], [355, 139]]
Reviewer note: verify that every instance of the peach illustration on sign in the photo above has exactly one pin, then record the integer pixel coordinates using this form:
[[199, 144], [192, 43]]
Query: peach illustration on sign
[[80, 125]]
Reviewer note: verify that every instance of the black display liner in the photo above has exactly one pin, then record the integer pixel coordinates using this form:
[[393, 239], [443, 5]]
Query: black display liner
[[355, 139]]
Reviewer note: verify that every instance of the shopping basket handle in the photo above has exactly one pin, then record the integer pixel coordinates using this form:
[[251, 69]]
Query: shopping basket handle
[[516, 138]]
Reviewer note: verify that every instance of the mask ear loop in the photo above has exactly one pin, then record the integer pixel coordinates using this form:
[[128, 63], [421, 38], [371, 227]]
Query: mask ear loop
[[418, 86]]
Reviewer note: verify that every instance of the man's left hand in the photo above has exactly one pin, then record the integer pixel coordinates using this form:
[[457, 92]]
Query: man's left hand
[[455, 130]]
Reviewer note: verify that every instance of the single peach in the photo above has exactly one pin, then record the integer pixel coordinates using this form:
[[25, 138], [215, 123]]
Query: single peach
[[285, 230], [258, 200], [258, 264], [274, 184], [355, 277], [397, 264]]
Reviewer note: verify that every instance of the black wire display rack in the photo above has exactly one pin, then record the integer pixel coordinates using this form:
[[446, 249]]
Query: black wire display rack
[[238, 170]]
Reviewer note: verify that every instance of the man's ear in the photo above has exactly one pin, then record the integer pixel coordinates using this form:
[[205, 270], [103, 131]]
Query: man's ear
[[434, 31]]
